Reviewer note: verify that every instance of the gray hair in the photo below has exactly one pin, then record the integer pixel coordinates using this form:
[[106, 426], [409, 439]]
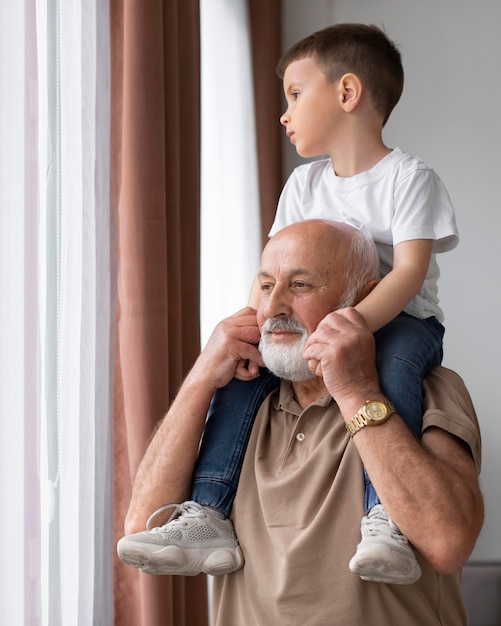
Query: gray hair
[[362, 266]]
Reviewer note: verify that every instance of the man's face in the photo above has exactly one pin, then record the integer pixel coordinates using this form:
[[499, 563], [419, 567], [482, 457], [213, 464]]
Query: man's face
[[301, 282]]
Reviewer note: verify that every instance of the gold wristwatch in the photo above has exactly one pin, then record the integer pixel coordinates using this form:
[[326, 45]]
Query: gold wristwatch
[[372, 413]]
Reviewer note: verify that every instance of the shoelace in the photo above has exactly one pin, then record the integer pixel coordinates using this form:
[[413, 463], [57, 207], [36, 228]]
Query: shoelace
[[378, 522], [186, 509]]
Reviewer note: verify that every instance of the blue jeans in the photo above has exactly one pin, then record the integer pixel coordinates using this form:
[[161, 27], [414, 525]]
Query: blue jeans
[[226, 434], [407, 349]]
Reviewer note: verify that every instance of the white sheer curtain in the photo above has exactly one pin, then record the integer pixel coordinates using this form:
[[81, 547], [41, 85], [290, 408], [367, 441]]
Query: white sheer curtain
[[230, 232], [18, 490], [56, 314]]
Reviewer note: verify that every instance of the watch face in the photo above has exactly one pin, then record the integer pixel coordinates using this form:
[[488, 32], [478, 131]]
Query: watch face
[[376, 411]]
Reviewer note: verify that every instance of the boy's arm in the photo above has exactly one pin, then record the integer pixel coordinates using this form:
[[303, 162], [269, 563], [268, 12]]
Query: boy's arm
[[255, 294], [392, 294]]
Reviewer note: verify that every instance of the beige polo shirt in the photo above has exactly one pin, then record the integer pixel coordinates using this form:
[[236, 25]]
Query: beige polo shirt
[[297, 514]]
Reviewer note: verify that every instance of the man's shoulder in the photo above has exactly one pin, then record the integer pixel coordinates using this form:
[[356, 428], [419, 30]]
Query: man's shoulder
[[448, 405], [442, 377], [444, 387]]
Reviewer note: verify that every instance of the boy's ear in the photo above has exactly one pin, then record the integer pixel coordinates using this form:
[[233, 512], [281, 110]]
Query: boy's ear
[[350, 88]]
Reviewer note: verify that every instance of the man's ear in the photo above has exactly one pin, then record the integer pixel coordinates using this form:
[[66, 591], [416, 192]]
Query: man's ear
[[350, 91]]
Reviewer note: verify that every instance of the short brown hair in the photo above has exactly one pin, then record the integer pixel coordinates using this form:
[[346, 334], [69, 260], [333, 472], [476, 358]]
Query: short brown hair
[[362, 49]]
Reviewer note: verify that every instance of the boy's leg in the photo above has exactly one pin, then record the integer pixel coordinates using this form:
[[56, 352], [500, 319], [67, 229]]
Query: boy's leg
[[201, 538], [407, 349], [225, 439]]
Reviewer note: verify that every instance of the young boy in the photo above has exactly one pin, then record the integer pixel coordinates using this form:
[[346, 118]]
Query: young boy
[[341, 85]]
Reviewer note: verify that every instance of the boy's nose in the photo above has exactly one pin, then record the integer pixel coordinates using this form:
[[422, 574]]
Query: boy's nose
[[284, 118]]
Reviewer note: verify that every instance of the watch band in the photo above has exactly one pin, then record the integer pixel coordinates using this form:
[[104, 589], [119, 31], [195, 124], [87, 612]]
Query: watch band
[[372, 413]]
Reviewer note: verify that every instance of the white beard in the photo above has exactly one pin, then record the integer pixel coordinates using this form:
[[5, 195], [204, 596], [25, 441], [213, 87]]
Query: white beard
[[285, 361]]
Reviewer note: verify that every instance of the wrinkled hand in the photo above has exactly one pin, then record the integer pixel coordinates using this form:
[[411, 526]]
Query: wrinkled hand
[[232, 343], [342, 351]]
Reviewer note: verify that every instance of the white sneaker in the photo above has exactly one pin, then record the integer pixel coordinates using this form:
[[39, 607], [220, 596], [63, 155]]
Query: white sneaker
[[199, 540], [384, 554]]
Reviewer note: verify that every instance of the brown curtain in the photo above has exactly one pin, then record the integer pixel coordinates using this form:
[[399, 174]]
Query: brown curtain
[[156, 139], [265, 23], [156, 168]]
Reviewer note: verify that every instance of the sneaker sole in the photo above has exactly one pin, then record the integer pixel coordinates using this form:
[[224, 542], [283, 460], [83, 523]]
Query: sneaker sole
[[379, 573], [172, 560]]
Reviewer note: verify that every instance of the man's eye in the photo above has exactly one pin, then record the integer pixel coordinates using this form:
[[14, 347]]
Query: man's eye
[[266, 287], [300, 285]]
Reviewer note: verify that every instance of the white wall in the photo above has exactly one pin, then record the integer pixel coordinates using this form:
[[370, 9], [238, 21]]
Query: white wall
[[450, 116]]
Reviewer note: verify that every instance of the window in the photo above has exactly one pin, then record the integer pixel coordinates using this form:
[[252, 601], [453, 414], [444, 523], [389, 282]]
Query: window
[[229, 186]]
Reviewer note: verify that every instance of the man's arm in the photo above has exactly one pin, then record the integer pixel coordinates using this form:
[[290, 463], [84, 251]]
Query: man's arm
[[430, 489], [164, 475]]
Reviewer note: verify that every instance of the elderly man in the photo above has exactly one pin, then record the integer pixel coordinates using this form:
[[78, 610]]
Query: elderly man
[[301, 490]]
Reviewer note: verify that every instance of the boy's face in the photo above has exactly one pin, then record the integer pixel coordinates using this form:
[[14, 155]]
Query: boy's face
[[313, 114]]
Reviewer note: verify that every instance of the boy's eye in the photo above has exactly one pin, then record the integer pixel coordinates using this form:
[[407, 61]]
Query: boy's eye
[[295, 95]]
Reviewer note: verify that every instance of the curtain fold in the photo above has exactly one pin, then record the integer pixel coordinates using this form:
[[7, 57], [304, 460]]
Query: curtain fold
[[156, 167], [55, 314], [19, 484], [265, 23], [75, 310]]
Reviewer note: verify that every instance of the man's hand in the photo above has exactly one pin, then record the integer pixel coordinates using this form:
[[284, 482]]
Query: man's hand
[[342, 352], [233, 342]]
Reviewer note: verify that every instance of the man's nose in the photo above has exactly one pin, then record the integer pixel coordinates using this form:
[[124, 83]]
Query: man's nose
[[277, 304]]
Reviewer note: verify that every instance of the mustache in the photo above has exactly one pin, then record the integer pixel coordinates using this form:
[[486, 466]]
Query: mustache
[[288, 324]]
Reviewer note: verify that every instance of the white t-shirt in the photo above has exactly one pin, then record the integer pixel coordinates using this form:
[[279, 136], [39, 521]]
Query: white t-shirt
[[400, 199]]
